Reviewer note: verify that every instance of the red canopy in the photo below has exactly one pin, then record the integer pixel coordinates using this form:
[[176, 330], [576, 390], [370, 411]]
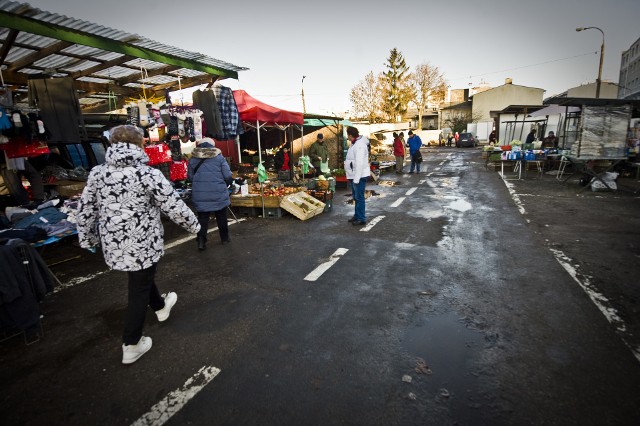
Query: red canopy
[[253, 110]]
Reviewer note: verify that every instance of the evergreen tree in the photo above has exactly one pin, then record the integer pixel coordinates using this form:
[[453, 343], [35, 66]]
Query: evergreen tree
[[396, 90]]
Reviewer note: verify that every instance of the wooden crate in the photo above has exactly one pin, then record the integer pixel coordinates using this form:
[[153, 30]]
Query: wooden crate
[[244, 201], [321, 195], [302, 205], [255, 201]]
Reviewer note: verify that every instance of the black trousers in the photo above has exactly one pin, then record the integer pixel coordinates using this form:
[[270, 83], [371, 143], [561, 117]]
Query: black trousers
[[142, 292], [221, 221]]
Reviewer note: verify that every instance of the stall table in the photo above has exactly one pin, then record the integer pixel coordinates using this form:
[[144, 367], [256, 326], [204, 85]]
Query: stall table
[[589, 167]]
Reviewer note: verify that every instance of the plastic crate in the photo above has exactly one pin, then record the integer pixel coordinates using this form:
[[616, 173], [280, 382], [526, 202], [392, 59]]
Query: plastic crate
[[247, 211], [271, 212]]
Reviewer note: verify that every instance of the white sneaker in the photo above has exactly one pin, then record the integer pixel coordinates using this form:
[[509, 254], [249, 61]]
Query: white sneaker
[[170, 299], [131, 353]]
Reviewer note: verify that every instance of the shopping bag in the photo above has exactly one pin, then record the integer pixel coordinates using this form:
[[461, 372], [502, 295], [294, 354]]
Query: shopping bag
[[178, 170]]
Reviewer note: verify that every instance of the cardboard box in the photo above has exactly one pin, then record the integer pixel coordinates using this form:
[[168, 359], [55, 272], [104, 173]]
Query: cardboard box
[[302, 205]]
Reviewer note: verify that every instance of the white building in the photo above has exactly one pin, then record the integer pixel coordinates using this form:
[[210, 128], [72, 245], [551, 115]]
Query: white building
[[608, 90], [500, 97], [630, 73]]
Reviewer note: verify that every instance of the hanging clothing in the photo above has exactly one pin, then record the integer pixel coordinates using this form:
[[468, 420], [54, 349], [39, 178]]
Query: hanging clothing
[[25, 279], [59, 107], [205, 101], [231, 125]]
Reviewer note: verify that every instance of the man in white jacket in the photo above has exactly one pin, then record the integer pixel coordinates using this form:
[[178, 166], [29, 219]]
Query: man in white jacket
[[357, 169]]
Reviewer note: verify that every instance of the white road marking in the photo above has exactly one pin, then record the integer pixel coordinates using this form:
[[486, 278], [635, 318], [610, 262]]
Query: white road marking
[[411, 191], [324, 267], [190, 237], [436, 169], [601, 302], [372, 223], [431, 183], [398, 202], [423, 180], [79, 280], [441, 163], [516, 198], [174, 401], [598, 299]]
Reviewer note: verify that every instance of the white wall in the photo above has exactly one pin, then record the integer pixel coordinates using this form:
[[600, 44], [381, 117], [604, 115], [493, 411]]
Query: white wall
[[501, 97], [607, 91]]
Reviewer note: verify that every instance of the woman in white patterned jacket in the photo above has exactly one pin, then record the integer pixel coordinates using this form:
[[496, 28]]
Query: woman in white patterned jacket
[[120, 211]]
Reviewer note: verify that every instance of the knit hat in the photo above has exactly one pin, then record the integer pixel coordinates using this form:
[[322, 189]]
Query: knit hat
[[207, 143]]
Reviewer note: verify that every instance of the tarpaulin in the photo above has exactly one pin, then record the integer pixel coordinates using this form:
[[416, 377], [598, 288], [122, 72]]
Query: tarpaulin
[[253, 110]]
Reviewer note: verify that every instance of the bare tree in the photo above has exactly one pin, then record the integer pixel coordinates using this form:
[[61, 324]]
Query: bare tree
[[396, 92], [427, 85], [365, 97], [458, 121]]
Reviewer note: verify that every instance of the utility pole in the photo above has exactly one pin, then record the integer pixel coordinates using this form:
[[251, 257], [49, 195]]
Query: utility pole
[[304, 107]]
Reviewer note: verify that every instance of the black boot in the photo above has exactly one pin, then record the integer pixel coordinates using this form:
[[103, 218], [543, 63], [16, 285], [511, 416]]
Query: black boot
[[202, 242]]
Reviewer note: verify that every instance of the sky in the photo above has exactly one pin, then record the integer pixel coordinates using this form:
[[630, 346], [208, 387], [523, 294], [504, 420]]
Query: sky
[[334, 44]]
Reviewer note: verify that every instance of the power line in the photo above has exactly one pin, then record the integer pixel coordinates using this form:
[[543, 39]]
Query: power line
[[526, 66]]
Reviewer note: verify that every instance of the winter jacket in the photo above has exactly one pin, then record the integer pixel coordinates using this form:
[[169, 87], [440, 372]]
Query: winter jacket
[[356, 164], [209, 184], [120, 209], [398, 148], [318, 150], [280, 162], [414, 143]]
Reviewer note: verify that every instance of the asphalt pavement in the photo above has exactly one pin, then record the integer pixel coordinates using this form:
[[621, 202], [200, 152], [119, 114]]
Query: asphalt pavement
[[466, 300]]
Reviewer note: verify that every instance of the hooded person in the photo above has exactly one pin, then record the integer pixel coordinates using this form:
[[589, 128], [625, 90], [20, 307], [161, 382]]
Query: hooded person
[[119, 210], [210, 177]]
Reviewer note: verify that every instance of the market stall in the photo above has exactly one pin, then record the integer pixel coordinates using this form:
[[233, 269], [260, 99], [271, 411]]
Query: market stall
[[56, 70], [258, 116]]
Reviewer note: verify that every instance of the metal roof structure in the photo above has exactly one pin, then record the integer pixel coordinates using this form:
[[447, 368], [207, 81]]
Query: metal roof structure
[[107, 65]]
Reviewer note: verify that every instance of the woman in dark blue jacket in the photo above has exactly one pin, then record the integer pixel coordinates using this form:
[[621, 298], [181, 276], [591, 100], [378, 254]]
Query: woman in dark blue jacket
[[210, 176]]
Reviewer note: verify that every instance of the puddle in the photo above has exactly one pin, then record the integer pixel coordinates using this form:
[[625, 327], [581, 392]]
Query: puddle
[[459, 205], [448, 348], [388, 183]]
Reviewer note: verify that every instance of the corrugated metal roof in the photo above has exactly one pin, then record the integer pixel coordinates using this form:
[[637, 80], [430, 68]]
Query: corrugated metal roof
[[33, 41]]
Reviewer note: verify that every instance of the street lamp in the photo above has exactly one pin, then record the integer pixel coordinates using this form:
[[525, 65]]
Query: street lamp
[[599, 80]]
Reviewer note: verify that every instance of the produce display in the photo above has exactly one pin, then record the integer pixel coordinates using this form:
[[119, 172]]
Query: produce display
[[274, 191]]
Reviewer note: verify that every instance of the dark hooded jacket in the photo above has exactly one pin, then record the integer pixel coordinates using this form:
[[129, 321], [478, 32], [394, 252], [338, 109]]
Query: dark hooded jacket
[[209, 191]]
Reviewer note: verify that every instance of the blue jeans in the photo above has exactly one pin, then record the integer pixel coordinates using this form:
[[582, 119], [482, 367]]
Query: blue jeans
[[357, 191], [414, 165]]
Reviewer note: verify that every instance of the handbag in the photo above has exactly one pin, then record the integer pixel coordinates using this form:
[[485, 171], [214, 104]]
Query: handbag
[[417, 157]]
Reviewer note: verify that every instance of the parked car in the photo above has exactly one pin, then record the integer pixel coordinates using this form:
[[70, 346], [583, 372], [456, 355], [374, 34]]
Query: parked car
[[466, 140]]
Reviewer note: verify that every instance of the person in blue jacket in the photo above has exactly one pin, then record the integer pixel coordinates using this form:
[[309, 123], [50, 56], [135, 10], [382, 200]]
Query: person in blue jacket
[[414, 143], [210, 176]]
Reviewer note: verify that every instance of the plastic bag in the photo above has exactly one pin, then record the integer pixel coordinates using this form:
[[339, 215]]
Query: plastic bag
[[262, 173]]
